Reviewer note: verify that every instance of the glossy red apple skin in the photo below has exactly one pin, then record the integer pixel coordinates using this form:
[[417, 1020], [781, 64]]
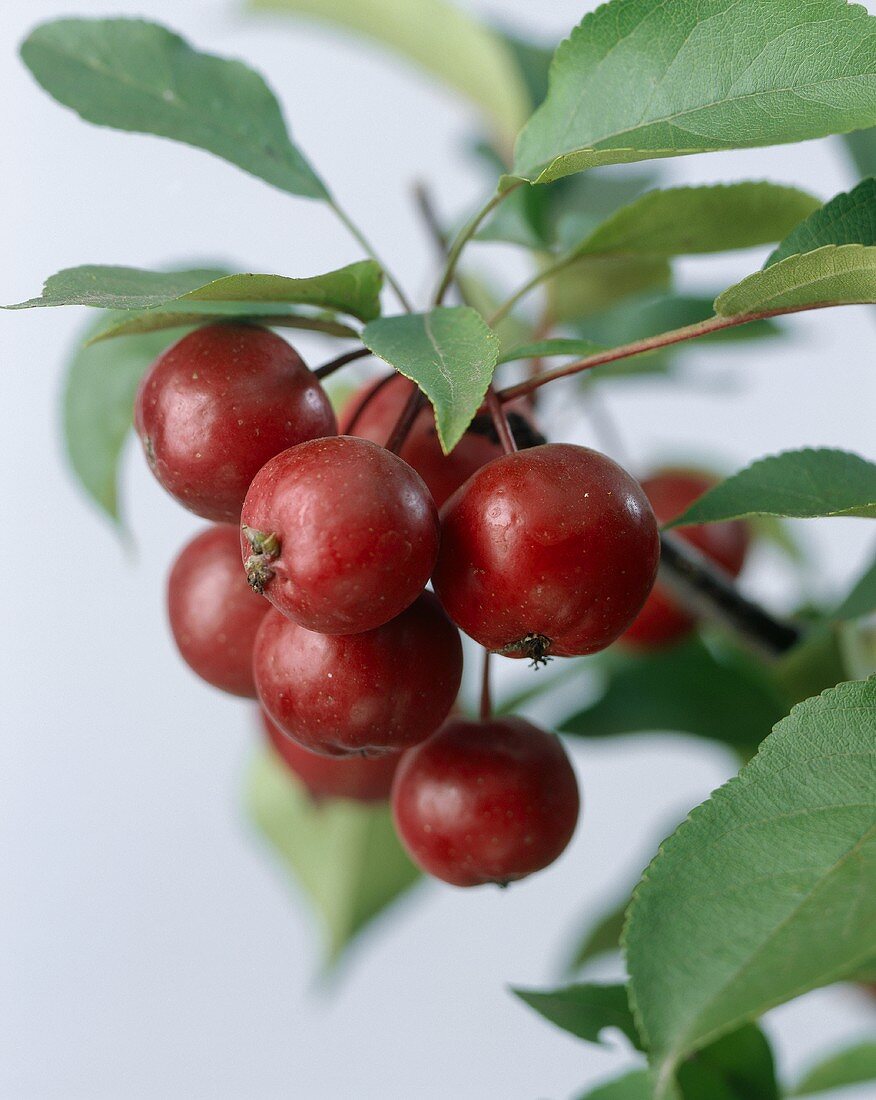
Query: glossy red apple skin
[[485, 802], [662, 622], [376, 692], [217, 405], [556, 543], [214, 614]]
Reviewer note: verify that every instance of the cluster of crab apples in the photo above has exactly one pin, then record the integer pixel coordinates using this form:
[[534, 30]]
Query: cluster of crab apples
[[308, 592]]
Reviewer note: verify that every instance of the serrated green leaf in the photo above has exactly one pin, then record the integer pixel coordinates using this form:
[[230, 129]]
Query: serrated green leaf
[[344, 855], [449, 352], [99, 391], [683, 689], [353, 290], [767, 890], [802, 484], [640, 79], [680, 221], [842, 275], [139, 76], [595, 283], [861, 600], [585, 1010], [437, 37], [854, 1066], [543, 349], [635, 1085], [738, 1066], [847, 219]]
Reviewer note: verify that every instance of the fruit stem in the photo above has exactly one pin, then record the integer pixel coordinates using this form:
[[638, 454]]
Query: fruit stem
[[341, 361], [359, 236], [265, 550], [405, 422], [541, 276], [366, 401], [707, 591], [464, 236], [500, 422], [486, 707]]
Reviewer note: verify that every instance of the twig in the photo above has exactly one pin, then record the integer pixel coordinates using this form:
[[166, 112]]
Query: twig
[[405, 422], [486, 707], [335, 364]]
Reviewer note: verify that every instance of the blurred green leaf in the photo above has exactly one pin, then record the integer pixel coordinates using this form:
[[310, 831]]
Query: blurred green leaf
[[853, 1066], [594, 283], [585, 1010], [804, 484], [861, 600], [861, 144], [542, 349], [601, 937], [139, 76], [635, 1085], [738, 1066], [344, 855]]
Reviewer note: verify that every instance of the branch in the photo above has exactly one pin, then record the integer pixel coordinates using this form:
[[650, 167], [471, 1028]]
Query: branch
[[341, 361], [709, 592]]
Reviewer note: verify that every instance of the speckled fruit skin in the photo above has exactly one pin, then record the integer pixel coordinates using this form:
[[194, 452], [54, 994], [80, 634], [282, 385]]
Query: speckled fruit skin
[[549, 551], [359, 778], [358, 533], [661, 621], [376, 692], [214, 614], [443, 474], [485, 801], [217, 405]]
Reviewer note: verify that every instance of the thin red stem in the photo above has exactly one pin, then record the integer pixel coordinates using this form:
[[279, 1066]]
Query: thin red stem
[[366, 401], [500, 422], [405, 422], [486, 707], [341, 361]]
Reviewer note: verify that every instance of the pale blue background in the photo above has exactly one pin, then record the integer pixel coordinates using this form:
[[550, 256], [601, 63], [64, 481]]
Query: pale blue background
[[149, 947]]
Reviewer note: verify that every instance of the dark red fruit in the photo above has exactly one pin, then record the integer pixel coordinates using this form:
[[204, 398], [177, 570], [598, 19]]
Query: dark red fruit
[[485, 801], [442, 473], [360, 778], [547, 552], [376, 692], [217, 405], [214, 615], [662, 621], [340, 534]]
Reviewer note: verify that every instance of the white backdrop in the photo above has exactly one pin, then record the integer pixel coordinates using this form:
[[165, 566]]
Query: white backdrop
[[149, 946]]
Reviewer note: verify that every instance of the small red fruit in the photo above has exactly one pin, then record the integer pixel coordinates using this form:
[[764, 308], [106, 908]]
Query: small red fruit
[[485, 801], [340, 534], [217, 405], [547, 552], [662, 621], [376, 692], [213, 613], [360, 778], [443, 474]]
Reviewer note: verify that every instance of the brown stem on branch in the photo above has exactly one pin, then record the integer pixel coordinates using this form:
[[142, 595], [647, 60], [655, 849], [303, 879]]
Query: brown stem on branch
[[366, 401], [486, 707], [405, 422], [332, 365], [500, 422], [707, 591]]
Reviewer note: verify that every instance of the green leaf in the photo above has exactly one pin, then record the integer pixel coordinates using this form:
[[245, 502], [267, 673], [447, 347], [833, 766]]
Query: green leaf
[[862, 147], [344, 855], [585, 1010], [854, 1066], [155, 320], [846, 219], [681, 221], [139, 76], [543, 349], [640, 79], [861, 600], [602, 937], [436, 36], [99, 392], [767, 890], [635, 1085], [683, 689], [842, 275], [803, 484], [738, 1066], [354, 290], [449, 352], [594, 283]]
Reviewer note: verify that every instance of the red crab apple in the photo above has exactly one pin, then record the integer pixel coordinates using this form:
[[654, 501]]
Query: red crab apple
[[214, 615], [486, 801], [340, 534], [661, 621], [443, 474], [360, 778], [376, 692], [217, 405], [547, 552]]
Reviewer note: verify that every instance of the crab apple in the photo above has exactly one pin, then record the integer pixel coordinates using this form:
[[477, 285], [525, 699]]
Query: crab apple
[[217, 405], [486, 801], [547, 552], [662, 621], [375, 692], [359, 778], [214, 615], [340, 534], [443, 474]]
